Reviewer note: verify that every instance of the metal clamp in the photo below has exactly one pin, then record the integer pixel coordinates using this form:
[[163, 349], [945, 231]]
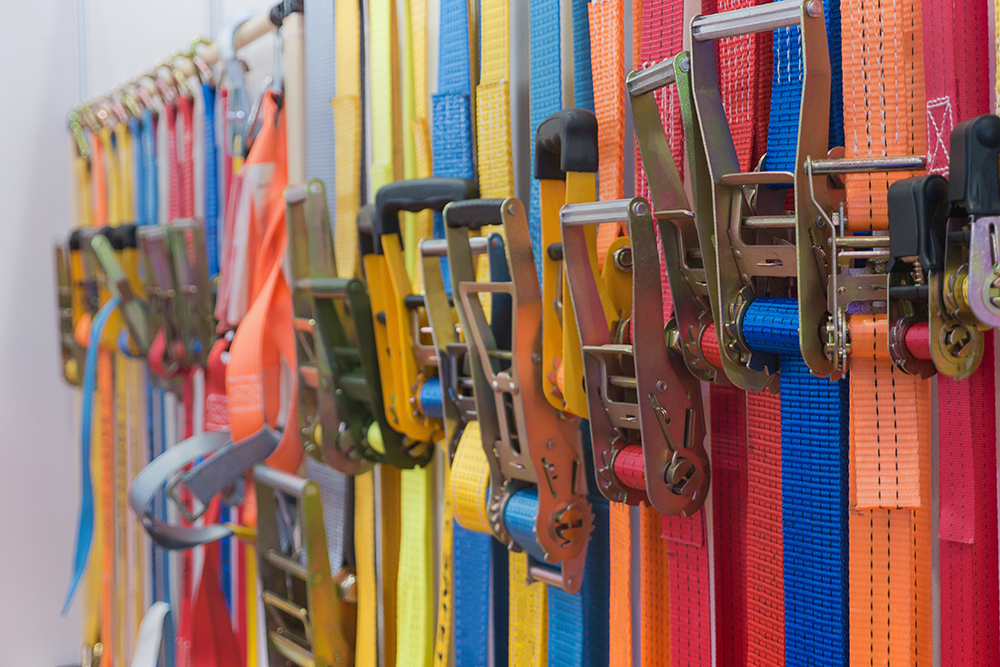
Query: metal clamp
[[640, 392], [529, 444]]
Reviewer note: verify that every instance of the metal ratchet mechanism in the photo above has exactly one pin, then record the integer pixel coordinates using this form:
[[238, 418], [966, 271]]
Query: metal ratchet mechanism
[[944, 286], [566, 159], [311, 612], [117, 253], [535, 456], [407, 356], [682, 252], [178, 291], [454, 368], [646, 418], [762, 250], [340, 393], [77, 300]]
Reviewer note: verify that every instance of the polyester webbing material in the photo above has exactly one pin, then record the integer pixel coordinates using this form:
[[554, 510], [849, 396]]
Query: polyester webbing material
[[211, 171], [496, 169], [366, 648], [970, 619], [607, 43], [764, 562], [348, 129], [384, 105], [956, 71], [729, 503], [321, 44], [583, 83], [662, 27], [620, 593], [890, 521], [546, 97], [813, 489], [883, 98], [415, 597], [690, 615], [655, 637], [786, 91]]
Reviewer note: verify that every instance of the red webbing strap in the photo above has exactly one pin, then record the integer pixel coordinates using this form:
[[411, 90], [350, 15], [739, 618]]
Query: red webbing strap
[[185, 622], [185, 108], [956, 71], [764, 562], [967, 528], [173, 165], [729, 507], [213, 643]]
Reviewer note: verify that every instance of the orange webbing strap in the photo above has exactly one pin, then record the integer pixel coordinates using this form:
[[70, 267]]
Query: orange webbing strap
[[883, 98], [607, 49], [105, 501], [889, 521], [890, 495], [654, 628], [265, 338], [620, 598]]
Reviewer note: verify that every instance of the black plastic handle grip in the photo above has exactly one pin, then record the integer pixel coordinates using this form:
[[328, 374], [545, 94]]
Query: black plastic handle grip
[[918, 219], [974, 176], [366, 229], [474, 213], [123, 236], [414, 195], [566, 141]]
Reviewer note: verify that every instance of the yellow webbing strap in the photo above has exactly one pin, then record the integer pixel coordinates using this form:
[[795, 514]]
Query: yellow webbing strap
[[528, 627], [384, 67], [348, 136], [250, 583], [366, 649], [446, 578], [415, 614], [470, 481], [388, 561]]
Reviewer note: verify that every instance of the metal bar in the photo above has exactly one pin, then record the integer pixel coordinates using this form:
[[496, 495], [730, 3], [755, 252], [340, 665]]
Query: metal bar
[[623, 382], [546, 575], [286, 564], [762, 18], [863, 241], [286, 606], [766, 222], [291, 650], [439, 247], [653, 77], [293, 485], [864, 165], [595, 213]]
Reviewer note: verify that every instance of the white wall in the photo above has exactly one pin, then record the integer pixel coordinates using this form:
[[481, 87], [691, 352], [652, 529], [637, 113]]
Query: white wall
[[39, 459]]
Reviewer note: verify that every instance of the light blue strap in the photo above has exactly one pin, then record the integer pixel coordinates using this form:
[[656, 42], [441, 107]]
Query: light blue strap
[[151, 185], [85, 522]]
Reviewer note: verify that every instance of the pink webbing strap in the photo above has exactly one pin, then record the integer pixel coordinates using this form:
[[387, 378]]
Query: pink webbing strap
[[970, 619], [173, 165], [956, 70]]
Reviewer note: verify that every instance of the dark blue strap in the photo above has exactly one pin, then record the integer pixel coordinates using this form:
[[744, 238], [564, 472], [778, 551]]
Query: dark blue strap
[[814, 489], [138, 165]]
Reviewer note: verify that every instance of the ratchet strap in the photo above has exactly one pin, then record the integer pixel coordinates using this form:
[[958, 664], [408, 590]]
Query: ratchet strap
[[813, 462], [813, 489], [687, 574], [956, 76], [890, 522], [528, 603], [607, 52], [473, 565], [349, 133]]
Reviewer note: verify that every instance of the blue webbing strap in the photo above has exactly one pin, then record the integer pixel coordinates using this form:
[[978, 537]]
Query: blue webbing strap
[[546, 98], [814, 489], [211, 184], [583, 80], [85, 521], [786, 91], [150, 183], [570, 615], [479, 560], [138, 191]]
